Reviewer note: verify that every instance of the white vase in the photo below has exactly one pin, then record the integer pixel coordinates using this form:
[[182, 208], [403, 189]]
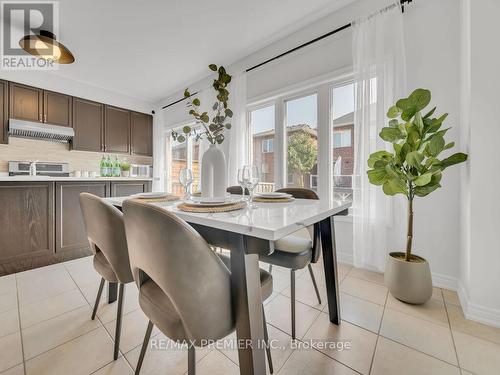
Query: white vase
[[213, 173]]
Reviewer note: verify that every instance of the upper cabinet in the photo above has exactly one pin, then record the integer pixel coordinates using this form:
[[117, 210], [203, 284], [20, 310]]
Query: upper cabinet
[[26, 103], [117, 130], [4, 111], [88, 123], [57, 108], [142, 134], [34, 104]]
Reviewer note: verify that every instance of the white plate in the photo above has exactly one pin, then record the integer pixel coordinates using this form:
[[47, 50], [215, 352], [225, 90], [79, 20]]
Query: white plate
[[275, 194], [211, 201], [151, 195]]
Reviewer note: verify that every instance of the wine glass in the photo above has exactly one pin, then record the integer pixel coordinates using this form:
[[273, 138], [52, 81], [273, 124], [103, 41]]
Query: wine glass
[[251, 179], [186, 179], [241, 181]]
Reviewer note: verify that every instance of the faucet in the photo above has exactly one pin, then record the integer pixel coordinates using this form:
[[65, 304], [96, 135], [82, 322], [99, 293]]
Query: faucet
[[33, 168]]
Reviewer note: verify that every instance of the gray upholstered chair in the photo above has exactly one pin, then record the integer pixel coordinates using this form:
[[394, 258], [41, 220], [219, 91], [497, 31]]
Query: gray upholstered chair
[[237, 190], [297, 250], [184, 287], [106, 234]]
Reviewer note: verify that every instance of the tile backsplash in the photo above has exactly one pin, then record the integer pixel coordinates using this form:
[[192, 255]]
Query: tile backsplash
[[29, 149]]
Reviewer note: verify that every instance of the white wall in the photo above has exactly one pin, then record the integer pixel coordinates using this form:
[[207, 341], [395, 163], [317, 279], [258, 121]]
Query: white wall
[[480, 268], [49, 81]]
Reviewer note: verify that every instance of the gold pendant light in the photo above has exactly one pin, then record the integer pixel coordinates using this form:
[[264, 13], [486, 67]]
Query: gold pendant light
[[45, 46]]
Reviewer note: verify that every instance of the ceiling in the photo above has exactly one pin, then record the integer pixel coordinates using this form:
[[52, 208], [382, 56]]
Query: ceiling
[[150, 49]]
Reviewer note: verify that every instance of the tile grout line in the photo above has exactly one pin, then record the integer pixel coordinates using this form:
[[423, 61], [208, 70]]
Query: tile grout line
[[19, 323], [451, 333], [378, 333]]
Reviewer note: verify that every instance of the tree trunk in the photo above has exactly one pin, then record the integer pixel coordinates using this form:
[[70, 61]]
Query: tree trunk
[[409, 237]]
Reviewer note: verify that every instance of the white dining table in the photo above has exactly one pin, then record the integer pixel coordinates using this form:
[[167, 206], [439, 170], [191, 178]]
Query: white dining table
[[252, 231]]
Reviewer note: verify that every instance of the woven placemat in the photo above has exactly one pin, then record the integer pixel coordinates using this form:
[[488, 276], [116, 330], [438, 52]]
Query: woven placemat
[[168, 198], [212, 209], [273, 200]]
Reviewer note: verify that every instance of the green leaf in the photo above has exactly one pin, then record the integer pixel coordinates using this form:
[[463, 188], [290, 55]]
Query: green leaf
[[186, 93], [228, 126], [377, 176], [413, 137], [418, 121], [390, 134], [228, 112], [215, 106], [204, 117], [422, 191], [213, 67], [420, 98], [394, 186], [379, 155], [394, 112], [186, 129], [430, 113], [393, 123], [181, 138], [457, 158], [436, 123], [449, 145], [414, 159], [436, 145], [423, 179], [196, 102]]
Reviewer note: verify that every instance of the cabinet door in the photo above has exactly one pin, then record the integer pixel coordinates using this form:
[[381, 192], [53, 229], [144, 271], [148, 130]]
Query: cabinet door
[[70, 228], [88, 122], [4, 112], [57, 108], [142, 134], [117, 130], [126, 188], [26, 103], [26, 222]]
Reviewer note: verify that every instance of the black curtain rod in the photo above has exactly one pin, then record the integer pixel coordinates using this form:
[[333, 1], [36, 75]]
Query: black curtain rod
[[403, 2]]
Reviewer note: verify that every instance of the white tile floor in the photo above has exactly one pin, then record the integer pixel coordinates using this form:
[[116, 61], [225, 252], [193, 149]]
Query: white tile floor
[[45, 328]]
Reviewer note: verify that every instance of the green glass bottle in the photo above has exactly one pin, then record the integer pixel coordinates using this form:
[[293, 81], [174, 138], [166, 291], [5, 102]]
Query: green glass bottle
[[109, 167], [102, 167], [116, 168]]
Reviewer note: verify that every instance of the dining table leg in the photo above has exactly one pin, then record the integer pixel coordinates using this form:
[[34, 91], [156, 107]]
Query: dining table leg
[[327, 228], [247, 304]]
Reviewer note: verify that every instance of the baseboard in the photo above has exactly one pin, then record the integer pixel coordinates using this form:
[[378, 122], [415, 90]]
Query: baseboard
[[344, 257], [444, 281], [477, 312]]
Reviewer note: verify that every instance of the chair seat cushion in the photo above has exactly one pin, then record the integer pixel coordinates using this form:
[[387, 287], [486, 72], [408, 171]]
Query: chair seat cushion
[[103, 267], [266, 279], [159, 309], [293, 252]]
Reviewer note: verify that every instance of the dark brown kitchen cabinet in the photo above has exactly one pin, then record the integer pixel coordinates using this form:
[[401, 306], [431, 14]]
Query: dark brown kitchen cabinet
[[26, 225], [141, 134], [57, 108], [126, 188], [117, 130], [88, 123], [26, 103], [4, 112], [70, 228]]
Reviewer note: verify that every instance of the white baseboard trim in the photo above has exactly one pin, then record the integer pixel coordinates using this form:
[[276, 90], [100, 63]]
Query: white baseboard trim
[[444, 281], [477, 312]]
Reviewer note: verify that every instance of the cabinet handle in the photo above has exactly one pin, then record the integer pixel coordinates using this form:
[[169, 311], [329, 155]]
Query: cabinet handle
[[40, 117], [45, 118]]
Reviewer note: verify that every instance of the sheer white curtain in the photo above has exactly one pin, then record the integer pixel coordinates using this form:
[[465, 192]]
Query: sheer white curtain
[[380, 79], [237, 137]]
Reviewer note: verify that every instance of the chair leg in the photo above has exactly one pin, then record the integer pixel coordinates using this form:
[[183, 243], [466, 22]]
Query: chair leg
[[119, 316], [147, 336], [266, 339], [314, 282], [270, 268], [98, 298], [292, 290], [191, 360]]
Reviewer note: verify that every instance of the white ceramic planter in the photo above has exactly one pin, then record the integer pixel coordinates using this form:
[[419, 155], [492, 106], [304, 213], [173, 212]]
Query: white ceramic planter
[[213, 173]]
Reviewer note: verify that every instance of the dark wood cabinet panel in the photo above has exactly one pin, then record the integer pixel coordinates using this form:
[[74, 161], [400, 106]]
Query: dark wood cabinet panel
[[26, 103], [126, 188], [88, 122], [142, 134], [26, 221], [117, 130], [4, 112], [57, 108], [70, 228]]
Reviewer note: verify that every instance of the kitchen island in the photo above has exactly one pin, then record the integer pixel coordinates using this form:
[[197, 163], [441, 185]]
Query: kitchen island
[[40, 218]]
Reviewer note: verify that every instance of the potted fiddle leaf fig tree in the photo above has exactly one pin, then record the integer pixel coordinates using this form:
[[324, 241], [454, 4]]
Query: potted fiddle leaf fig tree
[[414, 169]]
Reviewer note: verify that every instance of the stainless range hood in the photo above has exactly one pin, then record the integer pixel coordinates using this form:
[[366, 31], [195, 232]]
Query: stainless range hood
[[38, 130]]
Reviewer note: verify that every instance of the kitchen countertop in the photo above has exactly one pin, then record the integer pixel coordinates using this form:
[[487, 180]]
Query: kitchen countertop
[[48, 178]]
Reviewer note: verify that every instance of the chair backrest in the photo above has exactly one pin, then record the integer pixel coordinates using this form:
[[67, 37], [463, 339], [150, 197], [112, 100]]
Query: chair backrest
[[167, 250], [238, 190], [106, 233], [302, 193]]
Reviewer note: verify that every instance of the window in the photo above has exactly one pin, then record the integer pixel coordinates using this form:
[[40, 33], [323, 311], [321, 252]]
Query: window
[[342, 109], [267, 145], [302, 136], [313, 180], [261, 122], [342, 138]]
